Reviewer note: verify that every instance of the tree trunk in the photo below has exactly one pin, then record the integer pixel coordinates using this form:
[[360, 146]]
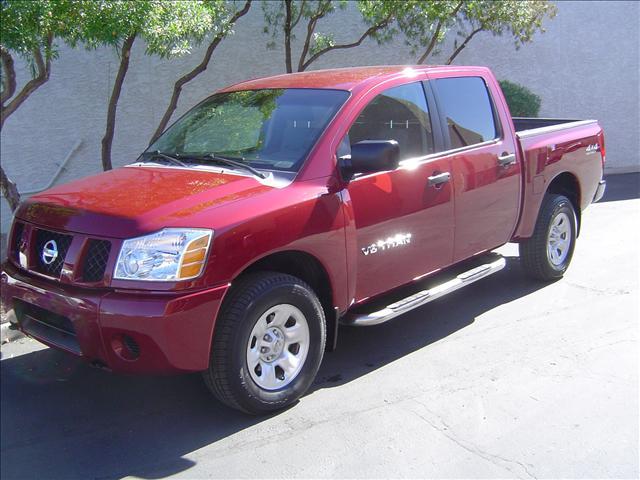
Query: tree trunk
[[370, 31], [287, 36], [8, 77], [311, 26], [201, 67], [107, 140], [9, 190], [463, 45], [43, 69], [434, 39]]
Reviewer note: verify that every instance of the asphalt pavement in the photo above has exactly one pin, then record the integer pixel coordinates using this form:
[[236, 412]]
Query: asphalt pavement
[[507, 378]]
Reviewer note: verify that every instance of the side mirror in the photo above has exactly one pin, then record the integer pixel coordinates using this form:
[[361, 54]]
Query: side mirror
[[369, 156]]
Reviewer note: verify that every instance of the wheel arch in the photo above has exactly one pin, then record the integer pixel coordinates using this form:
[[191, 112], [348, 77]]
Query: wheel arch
[[309, 269], [567, 184]]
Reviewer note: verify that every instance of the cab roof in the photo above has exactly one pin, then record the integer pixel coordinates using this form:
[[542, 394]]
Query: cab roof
[[336, 78]]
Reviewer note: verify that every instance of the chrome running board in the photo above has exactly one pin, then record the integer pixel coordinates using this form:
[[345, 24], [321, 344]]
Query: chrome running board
[[425, 296]]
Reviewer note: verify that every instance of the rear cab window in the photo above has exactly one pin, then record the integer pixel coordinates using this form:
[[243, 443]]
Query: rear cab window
[[467, 109]]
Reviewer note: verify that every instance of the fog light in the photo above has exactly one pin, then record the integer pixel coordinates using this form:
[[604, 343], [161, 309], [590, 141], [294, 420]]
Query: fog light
[[125, 347]]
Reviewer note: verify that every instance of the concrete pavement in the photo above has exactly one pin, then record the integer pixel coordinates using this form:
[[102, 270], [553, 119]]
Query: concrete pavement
[[504, 379]]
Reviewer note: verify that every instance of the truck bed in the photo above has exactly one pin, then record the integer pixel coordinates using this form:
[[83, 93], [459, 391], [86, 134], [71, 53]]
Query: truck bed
[[528, 126], [550, 147]]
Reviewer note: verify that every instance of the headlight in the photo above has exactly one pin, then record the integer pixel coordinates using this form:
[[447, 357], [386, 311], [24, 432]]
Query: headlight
[[168, 255]]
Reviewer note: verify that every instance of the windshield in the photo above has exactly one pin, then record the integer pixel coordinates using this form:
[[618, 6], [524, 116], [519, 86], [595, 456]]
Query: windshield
[[271, 129]]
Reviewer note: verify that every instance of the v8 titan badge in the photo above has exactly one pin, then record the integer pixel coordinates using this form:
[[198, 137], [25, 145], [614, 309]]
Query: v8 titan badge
[[392, 242]]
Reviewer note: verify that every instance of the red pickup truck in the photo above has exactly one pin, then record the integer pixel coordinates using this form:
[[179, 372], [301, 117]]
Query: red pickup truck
[[279, 208]]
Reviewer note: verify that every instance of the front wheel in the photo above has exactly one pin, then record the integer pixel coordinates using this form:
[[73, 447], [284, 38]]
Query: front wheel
[[547, 254], [268, 343]]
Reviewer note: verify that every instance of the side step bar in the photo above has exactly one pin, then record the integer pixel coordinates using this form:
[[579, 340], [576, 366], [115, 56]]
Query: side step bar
[[425, 296]]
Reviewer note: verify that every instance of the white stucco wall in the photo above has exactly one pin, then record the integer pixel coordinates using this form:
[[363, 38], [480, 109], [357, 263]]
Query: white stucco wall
[[585, 66]]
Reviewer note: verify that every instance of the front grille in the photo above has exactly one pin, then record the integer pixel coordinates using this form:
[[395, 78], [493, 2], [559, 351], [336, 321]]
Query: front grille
[[16, 241], [62, 243], [95, 261]]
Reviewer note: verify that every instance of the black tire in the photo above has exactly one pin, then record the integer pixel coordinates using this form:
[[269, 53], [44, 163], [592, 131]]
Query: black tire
[[228, 376], [534, 254]]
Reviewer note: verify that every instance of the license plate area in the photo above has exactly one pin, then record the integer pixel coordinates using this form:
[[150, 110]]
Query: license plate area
[[47, 326]]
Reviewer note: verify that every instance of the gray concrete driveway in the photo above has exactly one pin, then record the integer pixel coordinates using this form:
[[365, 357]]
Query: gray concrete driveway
[[506, 379]]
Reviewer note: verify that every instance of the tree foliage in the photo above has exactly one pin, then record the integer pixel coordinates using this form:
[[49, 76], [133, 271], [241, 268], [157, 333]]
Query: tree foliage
[[522, 101], [520, 19], [168, 28], [424, 24], [289, 18]]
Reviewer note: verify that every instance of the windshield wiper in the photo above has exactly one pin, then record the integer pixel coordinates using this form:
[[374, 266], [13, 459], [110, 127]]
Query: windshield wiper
[[168, 158], [237, 162]]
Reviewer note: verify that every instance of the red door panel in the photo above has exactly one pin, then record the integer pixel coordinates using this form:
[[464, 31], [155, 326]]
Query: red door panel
[[387, 208], [486, 199]]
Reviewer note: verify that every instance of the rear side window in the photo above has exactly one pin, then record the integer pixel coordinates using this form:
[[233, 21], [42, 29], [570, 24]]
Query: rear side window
[[399, 114], [467, 108]]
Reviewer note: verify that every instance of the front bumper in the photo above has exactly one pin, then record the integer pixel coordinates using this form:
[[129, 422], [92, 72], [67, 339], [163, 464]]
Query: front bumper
[[131, 332], [602, 186]]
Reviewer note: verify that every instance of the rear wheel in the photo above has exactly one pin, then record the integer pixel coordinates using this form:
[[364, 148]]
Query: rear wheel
[[268, 344], [547, 254]]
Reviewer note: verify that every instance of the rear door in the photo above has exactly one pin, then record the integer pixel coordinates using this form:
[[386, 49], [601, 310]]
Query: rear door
[[403, 218], [486, 174]]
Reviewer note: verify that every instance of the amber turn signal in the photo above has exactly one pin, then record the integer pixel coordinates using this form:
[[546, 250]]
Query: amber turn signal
[[194, 257]]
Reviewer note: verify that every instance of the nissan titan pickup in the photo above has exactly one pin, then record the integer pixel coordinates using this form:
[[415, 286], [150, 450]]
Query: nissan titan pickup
[[280, 208]]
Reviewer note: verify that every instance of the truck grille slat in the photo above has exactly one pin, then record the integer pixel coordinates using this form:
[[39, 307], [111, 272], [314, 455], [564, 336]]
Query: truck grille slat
[[95, 261]]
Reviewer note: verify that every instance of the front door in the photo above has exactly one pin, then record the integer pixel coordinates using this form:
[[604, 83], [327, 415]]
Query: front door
[[404, 218]]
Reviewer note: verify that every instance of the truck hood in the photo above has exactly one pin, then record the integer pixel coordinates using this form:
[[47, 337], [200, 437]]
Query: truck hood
[[130, 201]]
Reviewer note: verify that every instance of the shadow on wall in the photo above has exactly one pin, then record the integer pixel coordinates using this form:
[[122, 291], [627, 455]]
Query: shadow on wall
[[63, 419]]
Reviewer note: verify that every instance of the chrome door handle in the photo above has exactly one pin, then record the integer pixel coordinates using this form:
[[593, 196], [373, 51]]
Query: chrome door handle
[[507, 160], [439, 179]]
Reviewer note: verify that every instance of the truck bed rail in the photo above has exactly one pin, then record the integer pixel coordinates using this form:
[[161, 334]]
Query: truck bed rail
[[529, 126]]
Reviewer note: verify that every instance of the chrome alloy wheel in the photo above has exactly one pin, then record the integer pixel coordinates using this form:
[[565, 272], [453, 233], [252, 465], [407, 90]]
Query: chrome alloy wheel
[[277, 347], [559, 239]]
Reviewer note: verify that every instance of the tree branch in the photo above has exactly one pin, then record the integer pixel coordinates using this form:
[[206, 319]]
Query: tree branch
[[311, 26], [201, 67], [370, 31], [432, 43], [287, 35], [43, 71], [434, 39], [9, 190], [295, 22], [9, 75], [107, 140], [463, 45]]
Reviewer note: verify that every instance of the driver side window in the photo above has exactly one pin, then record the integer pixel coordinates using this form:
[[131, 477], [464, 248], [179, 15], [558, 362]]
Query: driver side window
[[399, 114]]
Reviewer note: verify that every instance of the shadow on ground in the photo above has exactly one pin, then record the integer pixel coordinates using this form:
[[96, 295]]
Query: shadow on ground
[[622, 187], [63, 419]]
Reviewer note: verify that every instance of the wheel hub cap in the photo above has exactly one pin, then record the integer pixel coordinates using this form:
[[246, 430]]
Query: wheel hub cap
[[277, 347], [559, 239], [272, 344]]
